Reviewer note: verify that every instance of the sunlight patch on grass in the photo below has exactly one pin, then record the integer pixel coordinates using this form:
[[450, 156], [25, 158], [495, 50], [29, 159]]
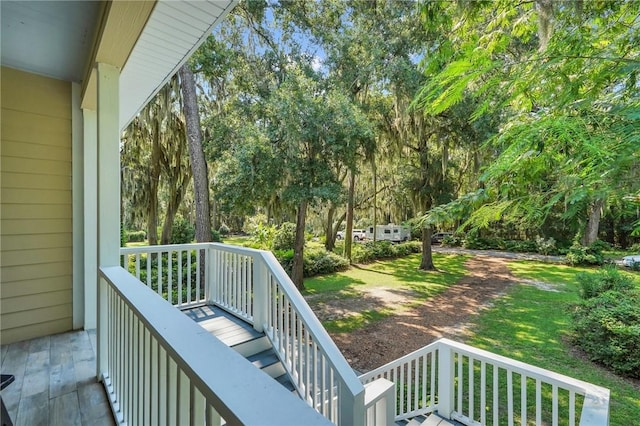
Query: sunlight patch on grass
[[356, 321], [396, 273], [397, 276]]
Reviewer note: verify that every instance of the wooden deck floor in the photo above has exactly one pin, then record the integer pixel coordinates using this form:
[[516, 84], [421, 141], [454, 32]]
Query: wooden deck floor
[[226, 327], [55, 381]]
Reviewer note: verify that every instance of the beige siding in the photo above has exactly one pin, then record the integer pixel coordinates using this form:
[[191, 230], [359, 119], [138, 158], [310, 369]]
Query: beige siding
[[35, 210]]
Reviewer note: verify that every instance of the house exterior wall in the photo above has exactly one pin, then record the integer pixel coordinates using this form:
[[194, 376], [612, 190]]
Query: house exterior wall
[[36, 206]]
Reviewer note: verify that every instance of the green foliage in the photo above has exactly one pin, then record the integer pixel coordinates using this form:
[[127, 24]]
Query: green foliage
[[320, 262], [189, 277], [455, 240], [284, 237], [215, 236], [606, 279], [262, 236], [607, 327], [316, 261], [183, 231], [136, 236], [581, 255], [370, 251], [546, 247], [123, 236], [224, 230]]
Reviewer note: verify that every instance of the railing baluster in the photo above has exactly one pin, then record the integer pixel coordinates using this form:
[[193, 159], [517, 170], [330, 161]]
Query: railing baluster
[[170, 277], [179, 283], [138, 265], [538, 402], [415, 384], [523, 399], [510, 396], [483, 392], [189, 284], [159, 267], [149, 270], [496, 401], [554, 404], [460, 384], [471, 389], [572, 408]]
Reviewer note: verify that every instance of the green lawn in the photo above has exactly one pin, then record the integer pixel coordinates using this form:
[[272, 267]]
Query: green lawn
[[533, 325], [401, 275]]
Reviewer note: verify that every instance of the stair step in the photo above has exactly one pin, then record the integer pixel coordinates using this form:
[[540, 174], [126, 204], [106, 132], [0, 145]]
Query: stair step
[[253, 346], [285, 381], [268, 362], [435, 420]]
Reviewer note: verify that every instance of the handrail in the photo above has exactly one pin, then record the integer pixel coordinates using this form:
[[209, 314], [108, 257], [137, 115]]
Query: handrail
[[163, 248], [298, 351], [417, 379], [200, 375]]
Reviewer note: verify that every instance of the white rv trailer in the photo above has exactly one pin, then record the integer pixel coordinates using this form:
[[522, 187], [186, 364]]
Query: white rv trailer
[[390, 232]]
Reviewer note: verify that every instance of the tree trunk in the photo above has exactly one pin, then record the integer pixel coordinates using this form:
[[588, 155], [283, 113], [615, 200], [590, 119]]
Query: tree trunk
[[152, 220], [175, 199], [545, 23], [426, 263], [375, 196], [297, 269], [196, 154], [348, 235], [593, 223], [330, 236]]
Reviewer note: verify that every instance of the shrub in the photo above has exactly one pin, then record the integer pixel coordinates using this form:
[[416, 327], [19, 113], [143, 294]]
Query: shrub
[[318, 262], [606, 279], [546, 247], [262, 236], [581, 255], [136, 236], [224, 230], [215, 236], [453, 240], [607, 327], [370, 251], [285, 236], [183, 231], [285, 257]]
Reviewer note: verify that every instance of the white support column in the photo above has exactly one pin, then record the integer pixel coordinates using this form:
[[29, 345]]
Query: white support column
[[108, 190], [77, 182], [90, 218]]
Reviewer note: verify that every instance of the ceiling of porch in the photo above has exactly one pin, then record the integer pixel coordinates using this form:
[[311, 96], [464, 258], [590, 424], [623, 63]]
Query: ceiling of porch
[[59, 39]]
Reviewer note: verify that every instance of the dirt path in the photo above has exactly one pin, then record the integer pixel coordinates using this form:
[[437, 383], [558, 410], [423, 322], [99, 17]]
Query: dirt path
[[442, 316]]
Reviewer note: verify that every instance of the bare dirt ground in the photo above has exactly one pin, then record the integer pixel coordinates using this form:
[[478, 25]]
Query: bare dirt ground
[[445, 315]]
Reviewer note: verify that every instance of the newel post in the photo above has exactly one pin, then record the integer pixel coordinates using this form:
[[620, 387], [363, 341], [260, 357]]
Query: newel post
[[260, 292], [445, 381]]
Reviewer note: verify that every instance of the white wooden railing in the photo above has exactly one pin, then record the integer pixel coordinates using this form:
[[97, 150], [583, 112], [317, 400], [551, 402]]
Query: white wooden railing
[[476, 387], [177, 272], [252, 285], [159, 368], [316, 366]]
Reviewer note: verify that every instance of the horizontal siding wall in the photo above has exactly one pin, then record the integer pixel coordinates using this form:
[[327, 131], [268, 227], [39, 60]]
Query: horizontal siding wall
[[36, 207]]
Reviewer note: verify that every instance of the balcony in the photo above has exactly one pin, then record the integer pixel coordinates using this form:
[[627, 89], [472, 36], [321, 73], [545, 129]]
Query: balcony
[[185, 331]]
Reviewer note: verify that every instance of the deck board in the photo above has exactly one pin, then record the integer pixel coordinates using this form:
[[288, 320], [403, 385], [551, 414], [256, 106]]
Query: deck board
[[55, 381], [225, 326]]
